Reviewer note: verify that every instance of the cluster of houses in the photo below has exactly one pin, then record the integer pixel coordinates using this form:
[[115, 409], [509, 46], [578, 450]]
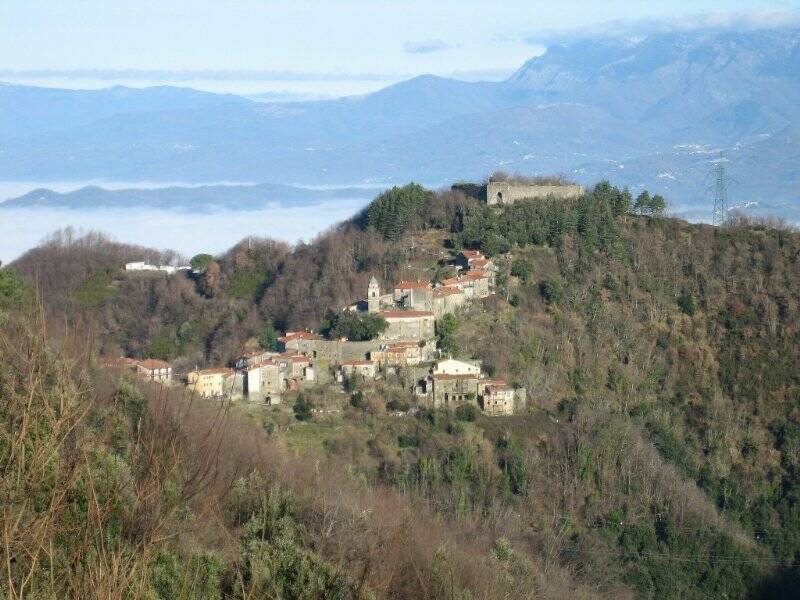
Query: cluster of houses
[[410, 310]]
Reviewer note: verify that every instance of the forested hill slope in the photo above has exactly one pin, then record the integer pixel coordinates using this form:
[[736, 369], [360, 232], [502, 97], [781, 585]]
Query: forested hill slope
[[661, 361]]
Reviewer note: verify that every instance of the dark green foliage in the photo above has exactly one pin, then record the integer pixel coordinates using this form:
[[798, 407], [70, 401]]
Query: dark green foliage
[[467, 412], [686, 302], [274, 561], [398, 404], [522, 268], [201, 261], [351, 385], [162, 347], [551, 290], [650, 205], [446, 329], [268, 338], [96, 290], [302, 408], [408, 440], [393, 212], [14, 292], [512, 462], [355, 327], [357, 399]]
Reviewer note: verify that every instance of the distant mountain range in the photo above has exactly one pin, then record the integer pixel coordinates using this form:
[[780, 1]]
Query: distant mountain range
[[202, 198], [650, 113]]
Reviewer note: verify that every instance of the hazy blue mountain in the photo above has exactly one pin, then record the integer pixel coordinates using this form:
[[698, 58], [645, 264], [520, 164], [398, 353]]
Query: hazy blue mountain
[[207, 197], [648, 113], [28, 110]]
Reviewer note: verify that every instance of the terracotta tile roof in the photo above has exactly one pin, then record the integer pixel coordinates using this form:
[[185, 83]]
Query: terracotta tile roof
[[152, 363], [447, 290], [452, 281], [404, 314], [215, 371], [473, 275], [295, 358], [412, 285], [495, 385], [396, 346]]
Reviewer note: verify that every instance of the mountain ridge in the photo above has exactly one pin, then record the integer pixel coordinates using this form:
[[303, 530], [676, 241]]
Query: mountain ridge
[[639, 101]]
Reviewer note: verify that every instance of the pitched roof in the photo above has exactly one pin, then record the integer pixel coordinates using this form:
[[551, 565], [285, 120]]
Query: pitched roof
[[215, 371], [394, 346], [153, 363], [447, 290], [474, 275], [295, 358], [449, 282], [455, 376], [495, 385], [404, 314], [471, 254], [412, 285], [477, 263]]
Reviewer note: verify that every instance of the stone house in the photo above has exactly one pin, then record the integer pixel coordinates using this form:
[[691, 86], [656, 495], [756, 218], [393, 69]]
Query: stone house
[[496, 397], [297, 367], [508, 192], [408, 325], [266, 382], [366, 369], [298, 342], [447, 300], [253, 358], [399, 354], [155, 370], [449, 390], [474, 284], [211, 383], [465, 257], [413, 294]]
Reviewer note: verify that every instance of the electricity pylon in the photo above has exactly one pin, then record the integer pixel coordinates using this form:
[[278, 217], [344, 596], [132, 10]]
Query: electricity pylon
[[720, 190]]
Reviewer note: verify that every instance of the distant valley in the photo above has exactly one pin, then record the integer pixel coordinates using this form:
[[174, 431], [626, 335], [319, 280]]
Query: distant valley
[[654, 114]]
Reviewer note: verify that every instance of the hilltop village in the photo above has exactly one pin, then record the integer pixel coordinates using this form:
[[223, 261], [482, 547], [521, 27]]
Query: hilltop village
[[392, 334], [406, 315]]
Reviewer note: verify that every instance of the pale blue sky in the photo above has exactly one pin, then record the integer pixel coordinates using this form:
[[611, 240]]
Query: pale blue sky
[[387, 38]]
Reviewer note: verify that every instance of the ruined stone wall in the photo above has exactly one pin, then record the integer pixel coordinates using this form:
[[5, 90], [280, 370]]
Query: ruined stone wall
[[505, 192]]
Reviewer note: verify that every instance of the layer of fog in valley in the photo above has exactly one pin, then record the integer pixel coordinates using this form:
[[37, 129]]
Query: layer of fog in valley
[[186, 232]]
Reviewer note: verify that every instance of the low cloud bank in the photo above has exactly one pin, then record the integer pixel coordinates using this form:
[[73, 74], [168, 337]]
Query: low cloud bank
[[187, 233]]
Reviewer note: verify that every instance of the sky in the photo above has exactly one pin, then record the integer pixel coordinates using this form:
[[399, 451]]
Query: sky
[[318, 48]]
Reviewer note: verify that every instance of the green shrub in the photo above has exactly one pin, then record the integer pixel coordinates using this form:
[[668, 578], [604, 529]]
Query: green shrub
[[467, 412]]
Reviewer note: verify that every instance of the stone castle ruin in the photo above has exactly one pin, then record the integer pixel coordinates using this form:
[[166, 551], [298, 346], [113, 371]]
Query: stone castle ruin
[[510, 191]]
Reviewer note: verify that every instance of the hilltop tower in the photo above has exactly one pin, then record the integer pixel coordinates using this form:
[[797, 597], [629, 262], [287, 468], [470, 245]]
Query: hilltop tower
[[373, 296]]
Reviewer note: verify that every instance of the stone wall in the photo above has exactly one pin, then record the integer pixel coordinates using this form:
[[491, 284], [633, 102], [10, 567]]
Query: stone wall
[[505, 192], [333, 350]]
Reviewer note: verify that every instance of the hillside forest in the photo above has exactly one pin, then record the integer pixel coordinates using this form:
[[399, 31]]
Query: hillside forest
[[658, 456]]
